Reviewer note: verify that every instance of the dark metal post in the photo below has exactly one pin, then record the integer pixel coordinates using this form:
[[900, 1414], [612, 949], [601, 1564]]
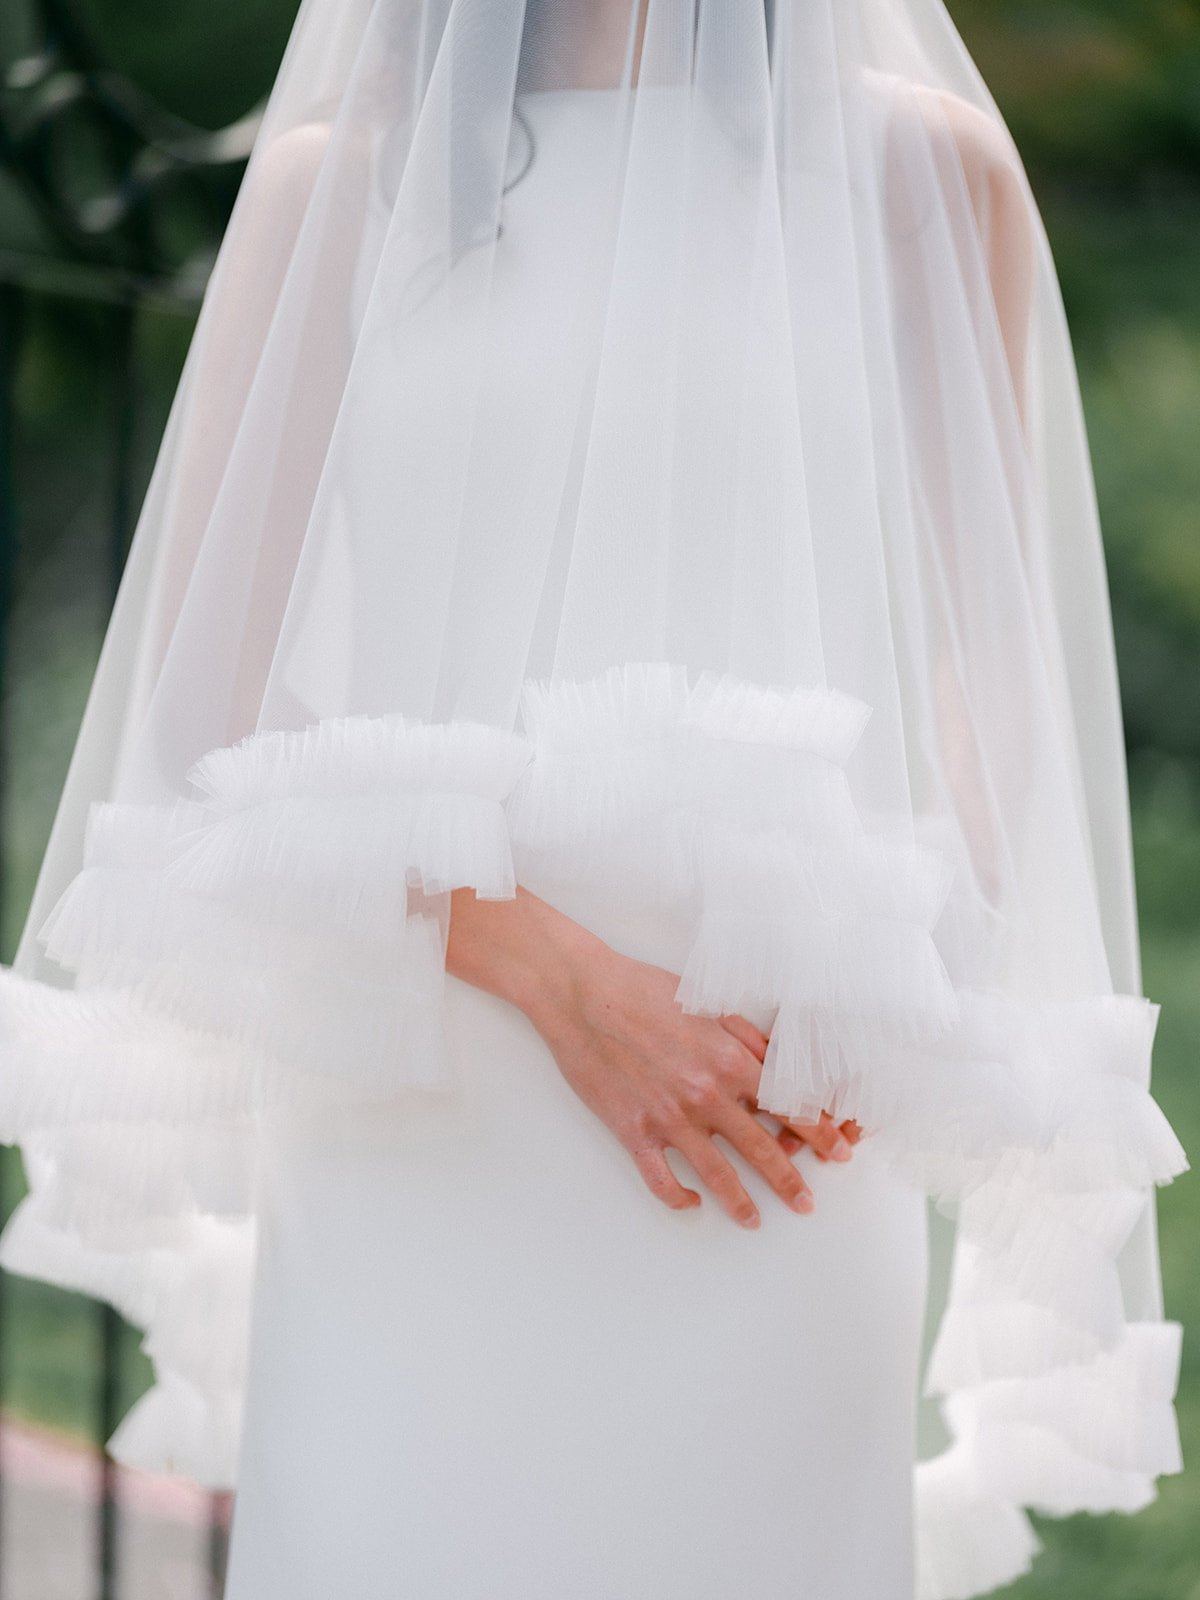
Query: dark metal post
[[10, 335], [124, 422], [219, 1514], [106, 246], [107, 1527]]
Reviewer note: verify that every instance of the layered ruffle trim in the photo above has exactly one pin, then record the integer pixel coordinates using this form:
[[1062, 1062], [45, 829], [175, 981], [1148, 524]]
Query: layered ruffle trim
[[1053, 1400], [272, 939]]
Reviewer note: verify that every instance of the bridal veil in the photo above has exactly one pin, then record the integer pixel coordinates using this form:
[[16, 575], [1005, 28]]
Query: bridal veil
[[803, 629]]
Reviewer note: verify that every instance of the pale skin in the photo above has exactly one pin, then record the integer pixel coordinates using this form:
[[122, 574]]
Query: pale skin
[[591, 57], [656, 1076]]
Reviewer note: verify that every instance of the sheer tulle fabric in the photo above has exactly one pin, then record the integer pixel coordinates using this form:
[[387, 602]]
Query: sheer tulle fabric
[[802, 630]]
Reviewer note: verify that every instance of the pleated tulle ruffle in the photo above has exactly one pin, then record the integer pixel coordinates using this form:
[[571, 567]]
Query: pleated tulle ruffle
[[273, 940]]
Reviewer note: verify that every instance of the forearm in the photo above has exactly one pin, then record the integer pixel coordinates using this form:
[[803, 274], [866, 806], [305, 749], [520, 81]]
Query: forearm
[[523, 950]]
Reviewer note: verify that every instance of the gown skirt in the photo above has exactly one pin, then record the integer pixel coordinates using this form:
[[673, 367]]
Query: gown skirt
[[487, 1364]]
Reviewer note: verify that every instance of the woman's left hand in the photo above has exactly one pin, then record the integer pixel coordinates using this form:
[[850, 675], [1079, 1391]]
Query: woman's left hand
[[822, 1136]]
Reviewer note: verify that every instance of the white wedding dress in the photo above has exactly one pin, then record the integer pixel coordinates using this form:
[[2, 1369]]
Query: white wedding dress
[[486, 1364]]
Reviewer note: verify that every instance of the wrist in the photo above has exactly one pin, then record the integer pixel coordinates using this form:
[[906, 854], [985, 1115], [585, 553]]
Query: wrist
[[524, 951], [555, 971]]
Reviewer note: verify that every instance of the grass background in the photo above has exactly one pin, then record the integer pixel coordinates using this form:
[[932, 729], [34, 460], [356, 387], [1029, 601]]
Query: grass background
[[1104, 100]]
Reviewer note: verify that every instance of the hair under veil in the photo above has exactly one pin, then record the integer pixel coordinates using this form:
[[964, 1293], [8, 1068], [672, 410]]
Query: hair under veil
[[804, 630]]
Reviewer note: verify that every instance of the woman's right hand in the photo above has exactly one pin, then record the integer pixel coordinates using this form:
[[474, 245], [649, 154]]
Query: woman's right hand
[[657, 1076], [661, 1078]]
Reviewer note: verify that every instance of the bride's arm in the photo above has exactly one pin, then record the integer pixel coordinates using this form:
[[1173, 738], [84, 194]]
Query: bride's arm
[[656, 1076], [952, 163]]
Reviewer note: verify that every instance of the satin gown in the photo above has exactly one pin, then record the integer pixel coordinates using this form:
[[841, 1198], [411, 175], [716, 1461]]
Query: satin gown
[[486, 1364]]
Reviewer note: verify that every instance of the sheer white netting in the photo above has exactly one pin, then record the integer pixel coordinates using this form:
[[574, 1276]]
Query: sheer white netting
[[645, 449]]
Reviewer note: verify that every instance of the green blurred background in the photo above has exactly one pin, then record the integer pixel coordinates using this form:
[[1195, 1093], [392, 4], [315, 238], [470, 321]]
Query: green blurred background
[[1103, 97]]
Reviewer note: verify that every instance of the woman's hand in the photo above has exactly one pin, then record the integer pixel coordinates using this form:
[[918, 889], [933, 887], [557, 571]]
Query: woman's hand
[[655, 1075], [660, 1078]]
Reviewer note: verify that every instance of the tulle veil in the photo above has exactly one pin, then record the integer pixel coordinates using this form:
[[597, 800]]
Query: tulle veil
[[804, 628]]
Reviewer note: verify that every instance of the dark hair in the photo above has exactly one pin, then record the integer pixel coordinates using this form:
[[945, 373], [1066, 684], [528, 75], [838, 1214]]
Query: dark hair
[[533, 8], [471, 202]]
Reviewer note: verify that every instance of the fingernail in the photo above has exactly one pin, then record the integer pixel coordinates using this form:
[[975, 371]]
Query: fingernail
[[842, 1149], [750, 1219], [801, 1202]]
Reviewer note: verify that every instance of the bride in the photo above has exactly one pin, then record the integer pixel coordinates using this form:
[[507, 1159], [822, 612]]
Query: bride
[[603, 794]]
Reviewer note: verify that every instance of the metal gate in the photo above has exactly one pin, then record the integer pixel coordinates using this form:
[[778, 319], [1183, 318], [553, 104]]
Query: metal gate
[[112, 202]]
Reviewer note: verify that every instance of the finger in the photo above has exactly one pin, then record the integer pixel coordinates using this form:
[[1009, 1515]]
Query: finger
[[789, 1141], [717, 1172], [851, 1130], [761, 1149], [824, 1137], [790, 1136], [733, 1068], [833, 1141], [660, 1180], [746, 1033], [809, 1135]]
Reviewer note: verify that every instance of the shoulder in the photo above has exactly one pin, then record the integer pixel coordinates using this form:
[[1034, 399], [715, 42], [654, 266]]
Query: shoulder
[[936, 140], [285, 167]]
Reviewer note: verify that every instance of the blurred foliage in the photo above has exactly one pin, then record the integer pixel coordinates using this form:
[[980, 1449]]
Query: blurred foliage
[[1131, 283], [208, 61], [1103, 97], [1104, 90]]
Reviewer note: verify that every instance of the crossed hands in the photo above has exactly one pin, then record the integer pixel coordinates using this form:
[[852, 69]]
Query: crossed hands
[[657, 1076], [661, 1078]]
